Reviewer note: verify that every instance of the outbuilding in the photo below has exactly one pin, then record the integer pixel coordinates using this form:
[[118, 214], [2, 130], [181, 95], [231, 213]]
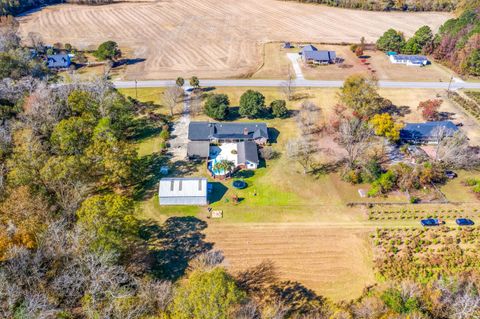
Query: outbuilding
[[183, 191], [411, 60]]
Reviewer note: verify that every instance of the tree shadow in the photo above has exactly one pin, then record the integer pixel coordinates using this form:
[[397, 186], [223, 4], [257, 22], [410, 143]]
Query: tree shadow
[[174, 244], [233, 113], [149, 170], [128, 62], [445, 116], [187, 167], [218, 191], [243, 174], [302, 300], [320, 169], [144, 128], [401, 110], [273, 135]]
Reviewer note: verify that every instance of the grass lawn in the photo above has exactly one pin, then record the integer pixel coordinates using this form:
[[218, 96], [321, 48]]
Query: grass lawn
[[276, 66], [301, 222]]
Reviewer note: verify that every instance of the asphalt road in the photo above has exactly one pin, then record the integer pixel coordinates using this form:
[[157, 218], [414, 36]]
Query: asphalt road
[[300, 83]]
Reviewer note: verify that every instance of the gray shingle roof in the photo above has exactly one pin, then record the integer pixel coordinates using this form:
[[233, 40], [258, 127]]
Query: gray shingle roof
[[308, 48], [58, 61], [320, 55], [425, 131], [247, 151], [198, 149], [207, 131]]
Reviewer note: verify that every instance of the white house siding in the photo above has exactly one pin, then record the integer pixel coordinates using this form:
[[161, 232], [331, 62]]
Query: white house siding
[[188, 201]]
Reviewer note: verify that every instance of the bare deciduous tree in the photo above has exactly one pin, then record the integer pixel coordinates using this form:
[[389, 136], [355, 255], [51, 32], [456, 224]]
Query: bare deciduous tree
[[287, 86], [354, 136], [302, 151], [171, 96], [309, 118], [452, 149]]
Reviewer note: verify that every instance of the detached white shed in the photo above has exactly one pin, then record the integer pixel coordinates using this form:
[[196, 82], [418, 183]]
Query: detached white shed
[[183, 191]]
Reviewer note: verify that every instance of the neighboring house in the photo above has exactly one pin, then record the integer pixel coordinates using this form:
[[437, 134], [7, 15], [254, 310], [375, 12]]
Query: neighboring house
[[183, 191], [426, 132], [411, 60], [228, 132], [58, 61], [311, 54]]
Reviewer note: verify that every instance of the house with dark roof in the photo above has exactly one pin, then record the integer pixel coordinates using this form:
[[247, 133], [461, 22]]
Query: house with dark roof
[[410, 60], [310, 54], [233, 142], [426, 132], [228, 132], [58, 61]]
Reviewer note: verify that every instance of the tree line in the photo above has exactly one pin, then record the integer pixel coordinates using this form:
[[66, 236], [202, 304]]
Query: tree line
[[457, 43], [16, 7], [390, 5]]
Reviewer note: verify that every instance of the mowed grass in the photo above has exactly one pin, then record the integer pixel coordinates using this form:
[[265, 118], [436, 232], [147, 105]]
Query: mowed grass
[[300, 222]]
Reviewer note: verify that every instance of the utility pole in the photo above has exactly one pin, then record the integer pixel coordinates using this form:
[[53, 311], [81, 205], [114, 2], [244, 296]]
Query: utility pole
[[136, 91], [449, 86]]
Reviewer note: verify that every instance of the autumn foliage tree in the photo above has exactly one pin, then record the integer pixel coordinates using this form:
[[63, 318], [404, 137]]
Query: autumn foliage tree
[[384, 125], [430, 109]]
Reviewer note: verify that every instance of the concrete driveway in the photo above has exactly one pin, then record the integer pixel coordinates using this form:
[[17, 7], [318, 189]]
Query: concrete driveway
[[294, 58]]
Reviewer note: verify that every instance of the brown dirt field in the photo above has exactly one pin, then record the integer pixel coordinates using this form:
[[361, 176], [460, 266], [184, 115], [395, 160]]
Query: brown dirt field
[[335, 262], [211, 38]]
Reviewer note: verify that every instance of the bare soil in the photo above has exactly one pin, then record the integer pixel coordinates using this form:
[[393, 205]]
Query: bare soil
[[210, 38], [335, 262]]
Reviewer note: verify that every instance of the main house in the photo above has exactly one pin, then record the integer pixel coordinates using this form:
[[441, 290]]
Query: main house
[[58, 61], [234, 142], [183, 191], [426, 132], [311, 54], [410, 60]]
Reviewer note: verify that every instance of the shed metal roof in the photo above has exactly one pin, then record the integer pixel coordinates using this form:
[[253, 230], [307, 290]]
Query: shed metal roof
[[183, 187]]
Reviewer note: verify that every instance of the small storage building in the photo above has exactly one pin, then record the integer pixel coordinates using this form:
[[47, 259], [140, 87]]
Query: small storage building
[[183, 191]]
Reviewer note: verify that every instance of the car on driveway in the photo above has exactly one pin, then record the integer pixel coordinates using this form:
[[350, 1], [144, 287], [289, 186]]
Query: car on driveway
[[430, 222], [464, 222]]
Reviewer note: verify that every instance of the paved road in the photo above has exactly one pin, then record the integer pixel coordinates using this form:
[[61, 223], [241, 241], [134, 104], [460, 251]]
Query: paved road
[[299, 83]]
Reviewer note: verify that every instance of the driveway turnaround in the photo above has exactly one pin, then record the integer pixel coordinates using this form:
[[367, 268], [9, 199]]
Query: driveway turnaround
[[299, 83]]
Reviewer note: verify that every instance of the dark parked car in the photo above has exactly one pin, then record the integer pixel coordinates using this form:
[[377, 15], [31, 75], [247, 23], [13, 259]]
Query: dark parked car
[[451, 174], [464, 222], [430, 222]]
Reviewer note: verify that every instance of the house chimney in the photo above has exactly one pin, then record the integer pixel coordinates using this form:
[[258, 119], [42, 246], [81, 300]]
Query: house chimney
[[245, 131]]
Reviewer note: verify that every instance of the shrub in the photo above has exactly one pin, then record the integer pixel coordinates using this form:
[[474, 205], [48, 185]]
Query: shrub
[[252, 104], [108, 51], [217, 106], [279, 108]]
